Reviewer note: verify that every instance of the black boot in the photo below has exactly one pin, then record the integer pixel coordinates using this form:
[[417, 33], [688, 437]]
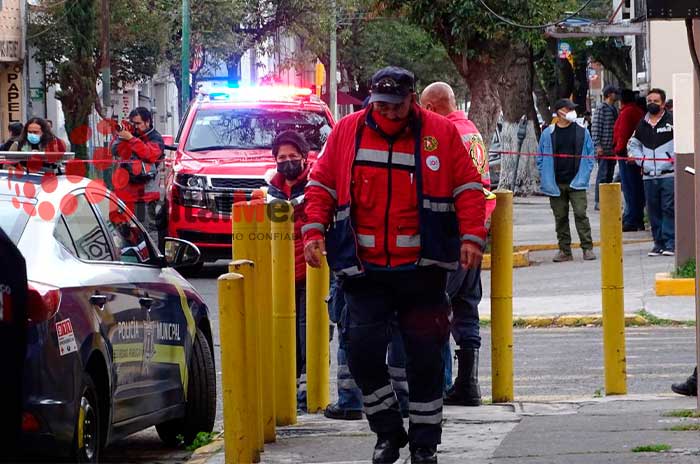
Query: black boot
[[465, 391], [388, 448], [424, 456], [689, 387]]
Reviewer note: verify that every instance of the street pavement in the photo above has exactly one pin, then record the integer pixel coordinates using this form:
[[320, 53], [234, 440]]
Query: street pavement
[[558, 373]]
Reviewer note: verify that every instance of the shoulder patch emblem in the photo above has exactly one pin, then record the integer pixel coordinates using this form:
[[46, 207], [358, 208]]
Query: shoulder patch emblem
[[430, 143], [433, 163], [477, 152]]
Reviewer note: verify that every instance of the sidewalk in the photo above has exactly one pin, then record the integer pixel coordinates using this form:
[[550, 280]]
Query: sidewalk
[[604, 430], [547, 289]]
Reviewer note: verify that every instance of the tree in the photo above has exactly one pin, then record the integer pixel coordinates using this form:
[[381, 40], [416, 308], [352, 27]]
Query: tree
[[65, 34]]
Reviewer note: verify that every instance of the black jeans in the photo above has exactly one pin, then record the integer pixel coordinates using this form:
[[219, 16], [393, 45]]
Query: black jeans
[[606, 170], [418, 299]]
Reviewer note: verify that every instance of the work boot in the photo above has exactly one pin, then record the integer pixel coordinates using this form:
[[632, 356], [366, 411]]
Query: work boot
[[560, 257], [424, 456], [689, 387], [334, 411], [465, 391], [387, 449]]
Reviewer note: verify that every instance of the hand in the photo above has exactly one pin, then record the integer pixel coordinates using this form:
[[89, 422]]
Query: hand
[[125, 135], [470, 255], [313, 251], [599, 152]]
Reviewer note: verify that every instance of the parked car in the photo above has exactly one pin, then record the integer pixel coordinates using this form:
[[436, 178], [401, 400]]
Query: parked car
[[118, 340]]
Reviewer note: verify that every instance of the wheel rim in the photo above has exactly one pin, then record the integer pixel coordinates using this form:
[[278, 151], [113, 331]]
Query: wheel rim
[[89, 428]]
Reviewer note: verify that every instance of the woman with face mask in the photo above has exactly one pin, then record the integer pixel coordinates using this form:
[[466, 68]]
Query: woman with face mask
[[37, 136], [287, 182]]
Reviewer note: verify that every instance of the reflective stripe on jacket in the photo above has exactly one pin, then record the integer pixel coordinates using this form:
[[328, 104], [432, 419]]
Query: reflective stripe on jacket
[[391, 204]]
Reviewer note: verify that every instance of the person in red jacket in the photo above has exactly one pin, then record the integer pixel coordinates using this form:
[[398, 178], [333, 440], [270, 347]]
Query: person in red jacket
[[137, 180], [395, 202], [291, 152], [463, 285], [630, 173]]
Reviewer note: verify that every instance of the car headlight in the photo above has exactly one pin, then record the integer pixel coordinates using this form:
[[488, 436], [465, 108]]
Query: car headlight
[[190, 190]]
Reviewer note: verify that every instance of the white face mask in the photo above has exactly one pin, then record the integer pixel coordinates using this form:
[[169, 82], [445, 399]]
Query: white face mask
[[571, 116]]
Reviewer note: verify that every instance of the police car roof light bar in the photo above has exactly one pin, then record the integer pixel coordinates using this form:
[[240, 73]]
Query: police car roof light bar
[[52, 160]]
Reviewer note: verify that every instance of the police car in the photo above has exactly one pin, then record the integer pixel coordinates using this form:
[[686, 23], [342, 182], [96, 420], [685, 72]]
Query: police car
[[118, 340]]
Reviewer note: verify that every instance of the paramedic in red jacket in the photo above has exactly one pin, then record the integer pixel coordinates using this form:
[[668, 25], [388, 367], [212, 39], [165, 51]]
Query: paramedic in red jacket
[[395, 202], [463, 285], [291, 152]]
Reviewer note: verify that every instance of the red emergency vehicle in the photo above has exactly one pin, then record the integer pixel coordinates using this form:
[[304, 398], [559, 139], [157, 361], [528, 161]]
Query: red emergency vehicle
[[223, 152]]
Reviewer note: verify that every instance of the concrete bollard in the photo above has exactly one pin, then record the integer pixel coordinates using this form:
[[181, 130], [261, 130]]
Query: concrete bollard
[[612, 289], [238, 442], [317, 335], [502, 298], [283, 310]]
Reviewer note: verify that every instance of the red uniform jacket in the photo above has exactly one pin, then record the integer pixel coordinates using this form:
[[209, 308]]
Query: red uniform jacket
[[148, 148], [378, 179], [626, 123]]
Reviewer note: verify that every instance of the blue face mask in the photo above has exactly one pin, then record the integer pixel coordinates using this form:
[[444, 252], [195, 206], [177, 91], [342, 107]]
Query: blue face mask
[[34, 139]]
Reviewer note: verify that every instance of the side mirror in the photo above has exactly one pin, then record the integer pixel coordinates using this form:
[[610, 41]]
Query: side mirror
[[181, 253], [168, 141]]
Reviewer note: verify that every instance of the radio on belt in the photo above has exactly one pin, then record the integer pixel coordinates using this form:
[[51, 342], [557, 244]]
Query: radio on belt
[[673, 9]]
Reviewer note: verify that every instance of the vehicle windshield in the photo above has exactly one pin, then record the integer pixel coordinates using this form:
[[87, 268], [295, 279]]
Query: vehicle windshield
[[14, 220], [254, 128]]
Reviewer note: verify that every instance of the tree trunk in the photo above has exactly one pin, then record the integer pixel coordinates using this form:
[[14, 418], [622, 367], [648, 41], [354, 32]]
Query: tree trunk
[[518, 173], [233, 65], [481, 77]]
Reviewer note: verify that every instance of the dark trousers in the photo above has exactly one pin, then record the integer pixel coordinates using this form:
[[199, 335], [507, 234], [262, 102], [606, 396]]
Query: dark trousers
[[660, 198], [151, 215], [464, 290], [633, 191], [300, 303], [560, 208], [418, 299], [606, 170]]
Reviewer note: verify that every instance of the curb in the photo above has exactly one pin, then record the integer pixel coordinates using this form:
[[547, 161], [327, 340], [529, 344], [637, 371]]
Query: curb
[[668, 286], [573, 320], [521, 258], [554, 246], [203, 454]]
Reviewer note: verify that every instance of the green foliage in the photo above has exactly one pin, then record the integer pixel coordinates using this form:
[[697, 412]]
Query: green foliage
[[598, 393], [686, 271], [660, 448], [655, 320], [682, 413], [685, 428], [202, 439]]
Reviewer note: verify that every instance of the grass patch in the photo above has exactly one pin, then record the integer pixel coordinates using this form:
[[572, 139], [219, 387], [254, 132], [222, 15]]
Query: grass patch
[[659, 321], [484, 322], [682, 413], [660, 448], [519, 322], [202, 439], [686, 271], [685, 428], [598, 393]]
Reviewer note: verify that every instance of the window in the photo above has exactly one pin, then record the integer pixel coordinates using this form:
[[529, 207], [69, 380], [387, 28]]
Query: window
[[131, 243], [89, 238], [63, 237], [254, 128], [13, 220]]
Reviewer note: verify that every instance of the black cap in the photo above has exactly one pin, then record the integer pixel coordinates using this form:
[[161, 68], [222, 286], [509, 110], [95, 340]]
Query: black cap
[[391, 85], [564, 103], [610, 89], [290, 137]]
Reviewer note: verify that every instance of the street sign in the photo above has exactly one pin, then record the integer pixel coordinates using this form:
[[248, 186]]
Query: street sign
[[564, 50]]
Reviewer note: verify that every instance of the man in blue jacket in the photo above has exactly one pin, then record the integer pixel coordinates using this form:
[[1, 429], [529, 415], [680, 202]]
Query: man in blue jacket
[[565, 177]]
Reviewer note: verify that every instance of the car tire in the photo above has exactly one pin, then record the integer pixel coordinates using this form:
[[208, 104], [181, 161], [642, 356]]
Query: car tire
[[88, 423], [200, 406]]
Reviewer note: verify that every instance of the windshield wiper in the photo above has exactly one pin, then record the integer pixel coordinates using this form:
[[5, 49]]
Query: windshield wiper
[[211, 148]]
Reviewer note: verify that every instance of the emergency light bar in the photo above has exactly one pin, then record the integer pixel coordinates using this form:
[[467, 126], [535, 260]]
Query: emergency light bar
[[271, 93], [50, 160]]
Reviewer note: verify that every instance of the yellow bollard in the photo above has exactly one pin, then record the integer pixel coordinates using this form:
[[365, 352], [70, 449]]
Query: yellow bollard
[[502, 298], [613, 289], [252, 352], [264, 297], [283, 310], [317, 346], [232, 333]]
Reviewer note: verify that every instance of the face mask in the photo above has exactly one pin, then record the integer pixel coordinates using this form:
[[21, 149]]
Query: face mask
[[34, 139], [653, 108], [290, 169], [571, 116]]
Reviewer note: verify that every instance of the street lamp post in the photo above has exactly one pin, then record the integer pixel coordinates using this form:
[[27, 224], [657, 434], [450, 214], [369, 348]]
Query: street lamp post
[[185, 58], [333, 83]]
